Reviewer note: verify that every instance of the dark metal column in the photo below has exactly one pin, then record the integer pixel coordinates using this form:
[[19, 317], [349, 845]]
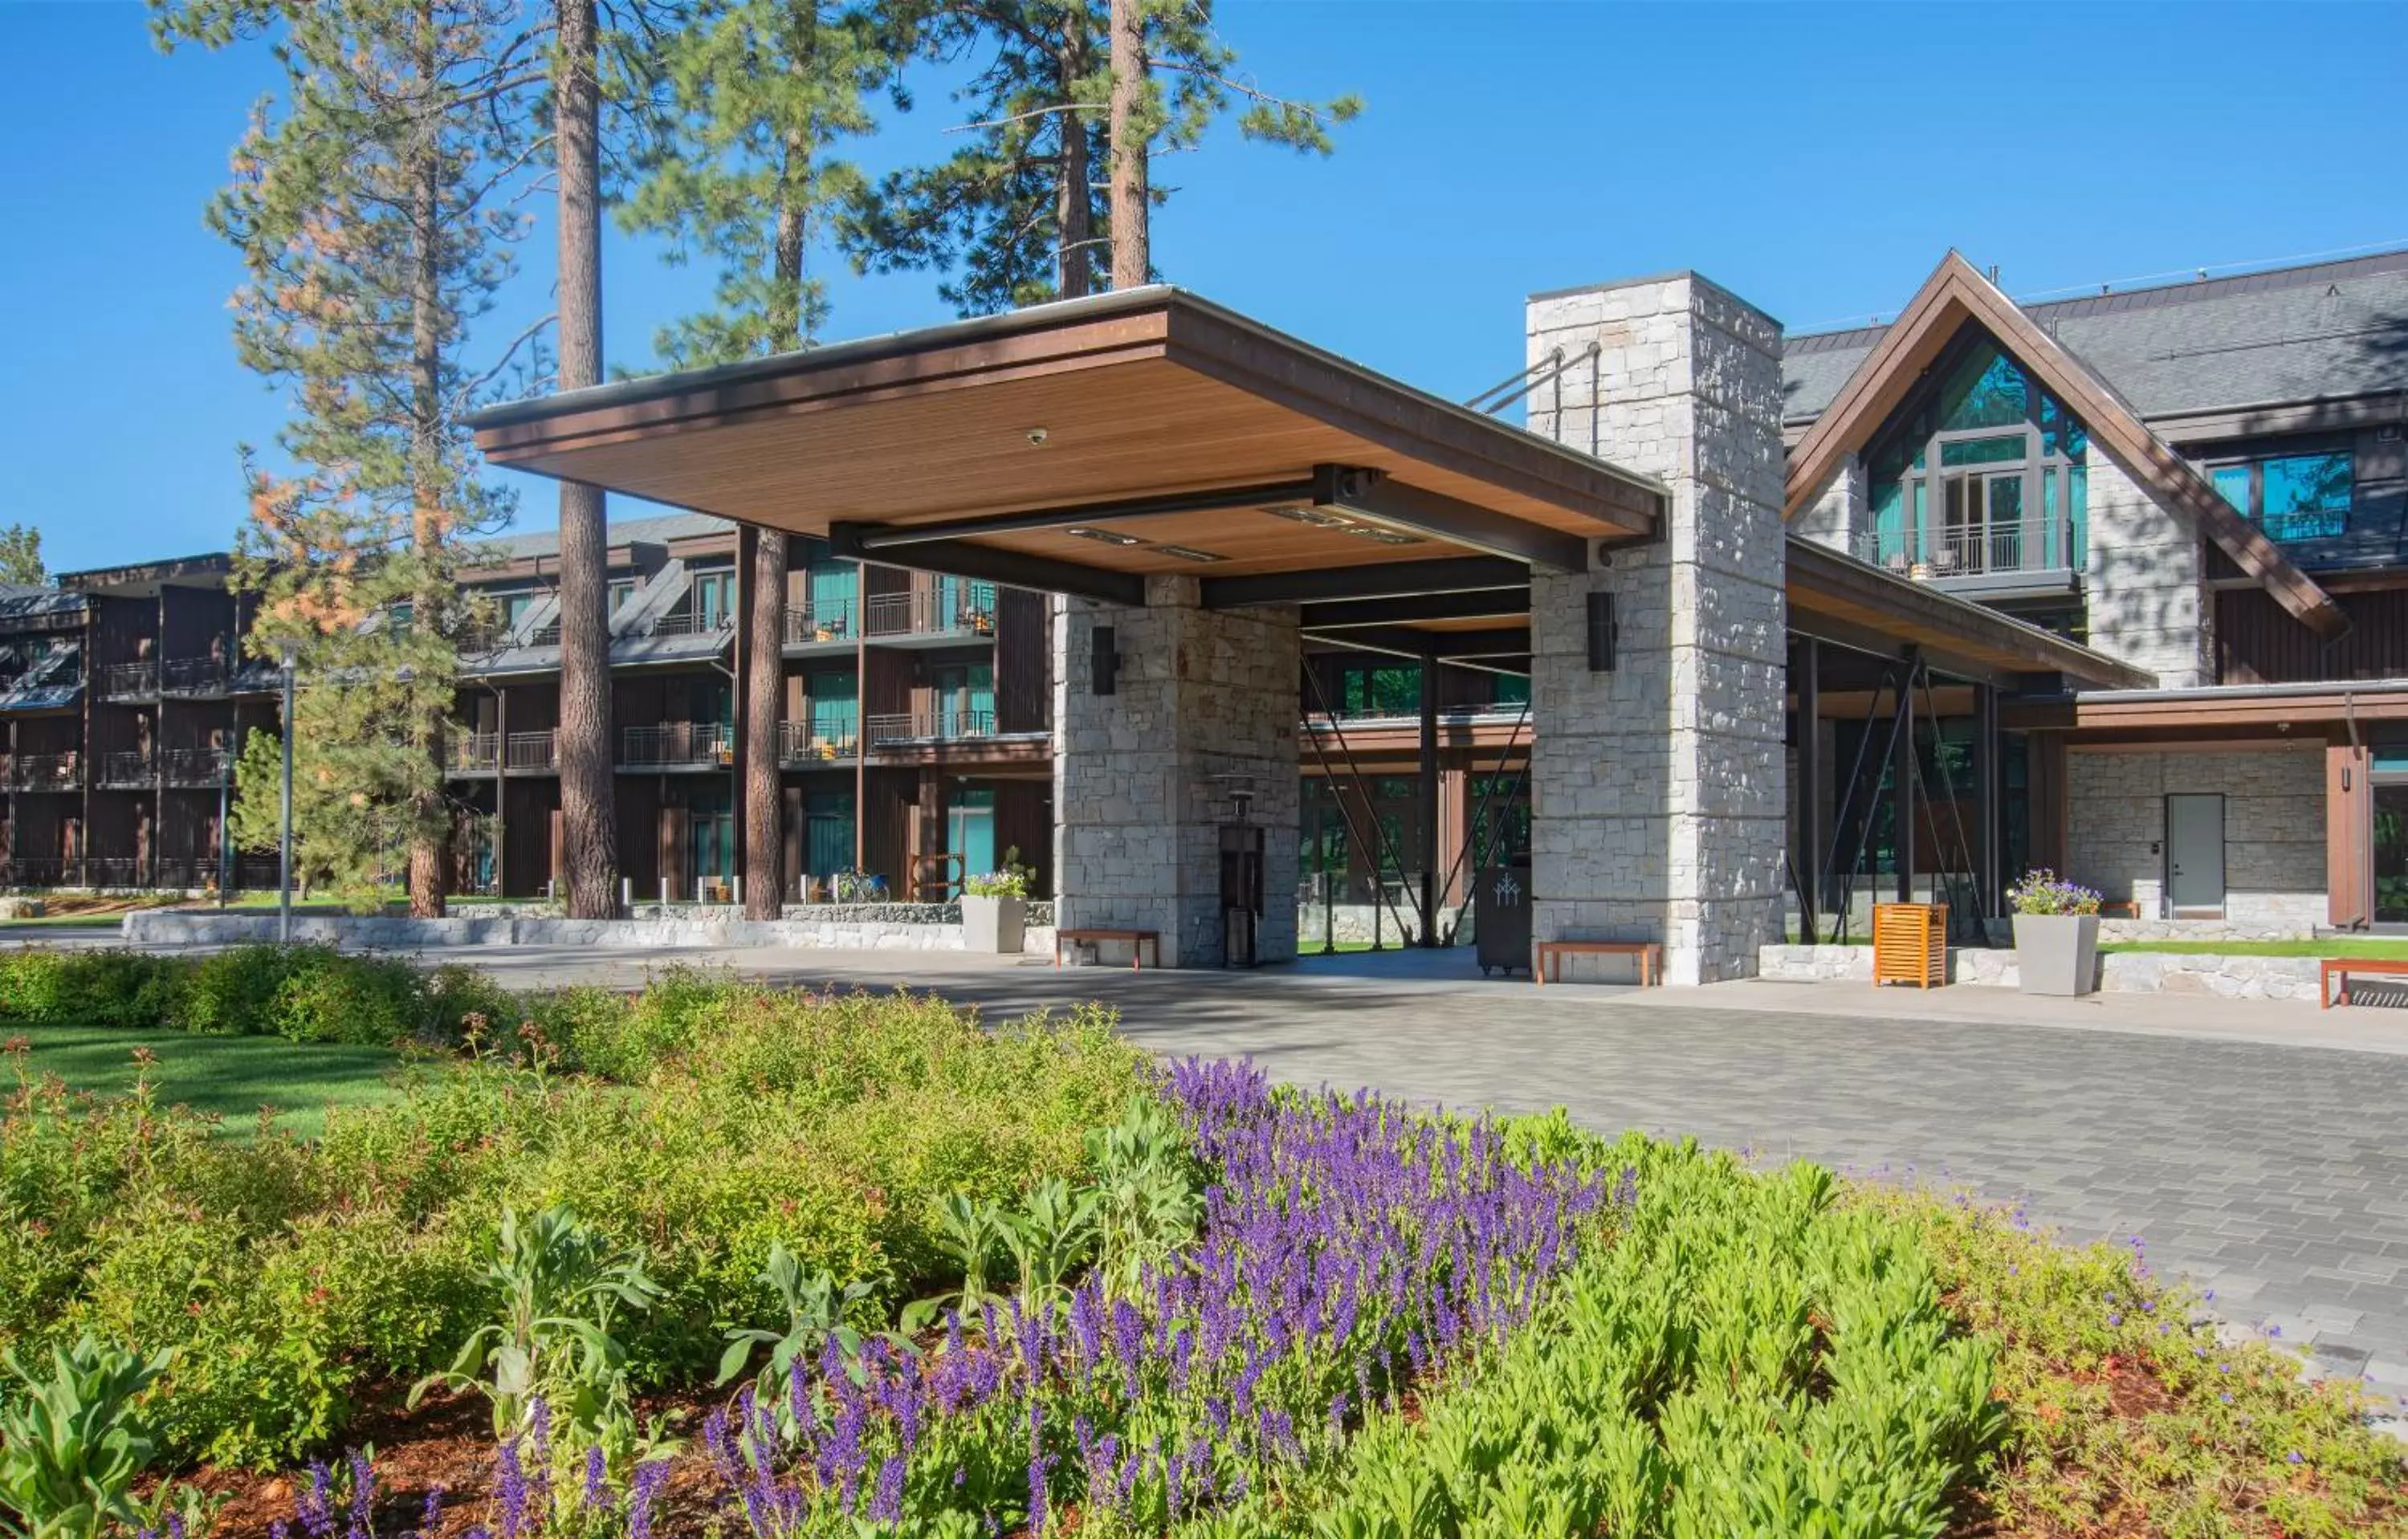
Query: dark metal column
[[1901, 789], [1986, 799], [502, 793], [1806, 675], [1426, 792]]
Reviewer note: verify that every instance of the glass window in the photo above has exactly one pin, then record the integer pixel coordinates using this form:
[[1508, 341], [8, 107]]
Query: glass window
[[1987, 390], [714, 597], [2004, 450], [827, 838], [2233, 482], [1369, 690], [835, 714], [621, 590], [515, 606], [2291, 496], [1510, 689]]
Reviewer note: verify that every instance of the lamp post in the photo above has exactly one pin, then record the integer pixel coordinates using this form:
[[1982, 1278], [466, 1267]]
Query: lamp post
[[288, 653]]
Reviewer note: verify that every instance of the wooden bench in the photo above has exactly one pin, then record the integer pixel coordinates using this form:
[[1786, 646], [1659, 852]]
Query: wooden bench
[[1650, 955], [2125, 908], [2342, 967], [1138, 940]]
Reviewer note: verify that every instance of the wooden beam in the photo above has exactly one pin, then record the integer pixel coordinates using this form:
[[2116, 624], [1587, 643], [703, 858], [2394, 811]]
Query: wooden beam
[[1404, 609], [887, 537], [1383, 580], [984, 563], [1375, 496], [1404, 641]]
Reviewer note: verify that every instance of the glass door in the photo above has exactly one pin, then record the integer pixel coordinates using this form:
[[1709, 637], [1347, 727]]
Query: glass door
[[827, 833], [969, 830], [711, 832], [2391, 847]]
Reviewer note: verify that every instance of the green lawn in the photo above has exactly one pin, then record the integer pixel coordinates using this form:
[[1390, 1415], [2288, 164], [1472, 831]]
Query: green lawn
[[80, 921], [231, 1076], [2396, 950]]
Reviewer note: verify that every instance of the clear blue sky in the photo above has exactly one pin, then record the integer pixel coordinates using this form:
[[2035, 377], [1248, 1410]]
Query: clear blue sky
[[1818, 160]]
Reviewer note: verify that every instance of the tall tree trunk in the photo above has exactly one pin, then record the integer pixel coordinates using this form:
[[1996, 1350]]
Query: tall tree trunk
[[588, 818], [430, 841], [1074, 201], [1132, 255], [765, 694]]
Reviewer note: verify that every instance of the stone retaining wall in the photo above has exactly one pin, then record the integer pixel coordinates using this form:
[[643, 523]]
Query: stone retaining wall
[[2119, 972], [831, 926]]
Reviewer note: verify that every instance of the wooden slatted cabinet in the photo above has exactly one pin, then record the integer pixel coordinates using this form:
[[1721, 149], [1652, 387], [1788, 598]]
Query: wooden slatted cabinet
[[1911, 944]]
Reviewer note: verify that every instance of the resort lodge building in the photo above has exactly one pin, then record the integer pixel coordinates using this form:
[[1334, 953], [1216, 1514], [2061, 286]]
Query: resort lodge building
[[2115, 584]]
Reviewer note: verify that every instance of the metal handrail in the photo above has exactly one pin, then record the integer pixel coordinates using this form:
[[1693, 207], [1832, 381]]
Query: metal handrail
[[814, 622], [677, 743], [532, 750], [477, 750], [687, 623], [126, 767], [129, 681], [828, 736], [941, 726], [195, 677], [2038, 542], [925, 611], [196, 767], [46, 772]]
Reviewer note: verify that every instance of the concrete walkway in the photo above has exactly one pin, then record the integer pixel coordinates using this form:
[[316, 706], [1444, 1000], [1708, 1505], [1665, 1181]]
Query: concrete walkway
[[2260, 1148]]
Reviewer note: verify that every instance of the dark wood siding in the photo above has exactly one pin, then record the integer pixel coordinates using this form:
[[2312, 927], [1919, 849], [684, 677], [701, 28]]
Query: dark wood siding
[[1024, 690], [2258, 642]]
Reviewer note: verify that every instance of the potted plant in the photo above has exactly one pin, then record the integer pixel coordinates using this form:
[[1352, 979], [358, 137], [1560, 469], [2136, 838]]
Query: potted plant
[[995, 911], [2056, 934]]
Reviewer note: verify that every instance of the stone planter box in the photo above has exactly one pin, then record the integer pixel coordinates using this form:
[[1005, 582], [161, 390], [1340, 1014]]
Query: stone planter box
[[994, 926], [2057, 953]]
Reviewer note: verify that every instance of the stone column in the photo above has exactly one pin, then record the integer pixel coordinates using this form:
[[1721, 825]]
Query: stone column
[[1204, 702], [1658, 788]]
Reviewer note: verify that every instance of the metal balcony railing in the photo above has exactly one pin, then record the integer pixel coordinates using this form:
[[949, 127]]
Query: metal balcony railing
[[942, 726], [2037, 544], [691, 622], [476, 752], [677, 743], [1348, 715], [532, 750], [130, 767], [836, 620], [130, 681], [46, 772], [827, 736], [196, 767], [195, 678], [931, 611]]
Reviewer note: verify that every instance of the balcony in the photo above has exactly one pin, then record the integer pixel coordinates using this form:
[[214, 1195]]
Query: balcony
[[827, 737], [129, 770], [130, 681], [196, 767], [532, 750], [931, 615], [690, 622], [44, 772], [811, 627], [476, 752], [195, 679], [1491, 711], [944, 726], [2034, 555], [678, 745]]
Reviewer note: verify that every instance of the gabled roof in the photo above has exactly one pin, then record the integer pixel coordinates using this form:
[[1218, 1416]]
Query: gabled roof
[[1956, 296], [2324, 331]]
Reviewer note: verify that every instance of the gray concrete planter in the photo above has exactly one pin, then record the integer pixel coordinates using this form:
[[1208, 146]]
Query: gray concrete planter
[[994, 925], [2057, 953]]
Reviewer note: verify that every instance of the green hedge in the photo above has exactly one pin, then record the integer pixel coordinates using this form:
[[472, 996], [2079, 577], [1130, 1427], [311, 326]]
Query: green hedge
[[306, 993], [302, 1279]]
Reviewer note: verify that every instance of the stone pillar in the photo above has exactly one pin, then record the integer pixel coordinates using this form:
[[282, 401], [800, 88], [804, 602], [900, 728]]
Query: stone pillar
[[1204, 702], [1657, 789]]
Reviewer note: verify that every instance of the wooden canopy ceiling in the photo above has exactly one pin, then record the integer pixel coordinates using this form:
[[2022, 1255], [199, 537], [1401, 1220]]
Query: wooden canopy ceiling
[[1084, 445]]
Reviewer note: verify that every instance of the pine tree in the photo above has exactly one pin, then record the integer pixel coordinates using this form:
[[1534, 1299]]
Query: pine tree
[[21, 556], [764, 91], [369, 202], [1063, 87]]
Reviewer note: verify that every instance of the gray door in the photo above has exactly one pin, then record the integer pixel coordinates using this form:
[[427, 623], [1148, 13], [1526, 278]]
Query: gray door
[[2195, 853]]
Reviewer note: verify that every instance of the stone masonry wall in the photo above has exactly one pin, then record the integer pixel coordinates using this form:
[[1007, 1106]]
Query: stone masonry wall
[[1659, 797], [1840, 516], [1143, 777], [2273, 828], [2143, 581]]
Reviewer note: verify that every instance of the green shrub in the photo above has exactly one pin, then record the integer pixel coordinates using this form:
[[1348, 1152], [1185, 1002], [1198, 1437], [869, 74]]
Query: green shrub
[[88, 988]]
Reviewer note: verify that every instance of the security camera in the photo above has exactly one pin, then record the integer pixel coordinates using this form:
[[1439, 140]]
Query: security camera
[[1036, 436]]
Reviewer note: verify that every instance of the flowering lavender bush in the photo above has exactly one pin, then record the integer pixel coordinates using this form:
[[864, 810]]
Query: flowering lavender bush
[[2044, 891]]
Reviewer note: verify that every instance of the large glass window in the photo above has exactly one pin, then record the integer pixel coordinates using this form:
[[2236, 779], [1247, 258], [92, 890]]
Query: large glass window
[[714, 597], [1367, 689], [1509, 689], [827, 833], [2291, 496], [835, 719], [1986, 474]]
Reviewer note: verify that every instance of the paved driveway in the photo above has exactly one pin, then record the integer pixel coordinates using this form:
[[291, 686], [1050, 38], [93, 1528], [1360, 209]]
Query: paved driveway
[[2274, 1173]]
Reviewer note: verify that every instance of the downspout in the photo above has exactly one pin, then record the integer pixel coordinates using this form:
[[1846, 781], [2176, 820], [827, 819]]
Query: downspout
[[2361, 859]]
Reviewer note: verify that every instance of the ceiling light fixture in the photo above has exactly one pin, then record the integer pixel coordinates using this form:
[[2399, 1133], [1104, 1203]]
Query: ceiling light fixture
[[1188, 552], [1108, 536]]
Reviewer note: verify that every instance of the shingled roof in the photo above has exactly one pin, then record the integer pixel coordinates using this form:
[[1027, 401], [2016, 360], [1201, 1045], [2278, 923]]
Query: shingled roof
[[2328, 330]]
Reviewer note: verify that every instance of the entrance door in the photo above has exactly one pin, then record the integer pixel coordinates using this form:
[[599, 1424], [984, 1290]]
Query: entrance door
[[970, 831], [2195, 853], [2391, 849]]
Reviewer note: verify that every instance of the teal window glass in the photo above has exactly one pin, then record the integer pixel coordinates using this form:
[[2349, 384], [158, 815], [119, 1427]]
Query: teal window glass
[[1986, 390], [1888, 509], [969, 829], [964, 700], [827, 833], [710, 831], [2305, 496], [2004, 450], [2232, 481], [2077, 512], [965, 605], [830, 588], [714, 597], [1510, 689], [2391, 761], [835, 714], [514, 607]]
